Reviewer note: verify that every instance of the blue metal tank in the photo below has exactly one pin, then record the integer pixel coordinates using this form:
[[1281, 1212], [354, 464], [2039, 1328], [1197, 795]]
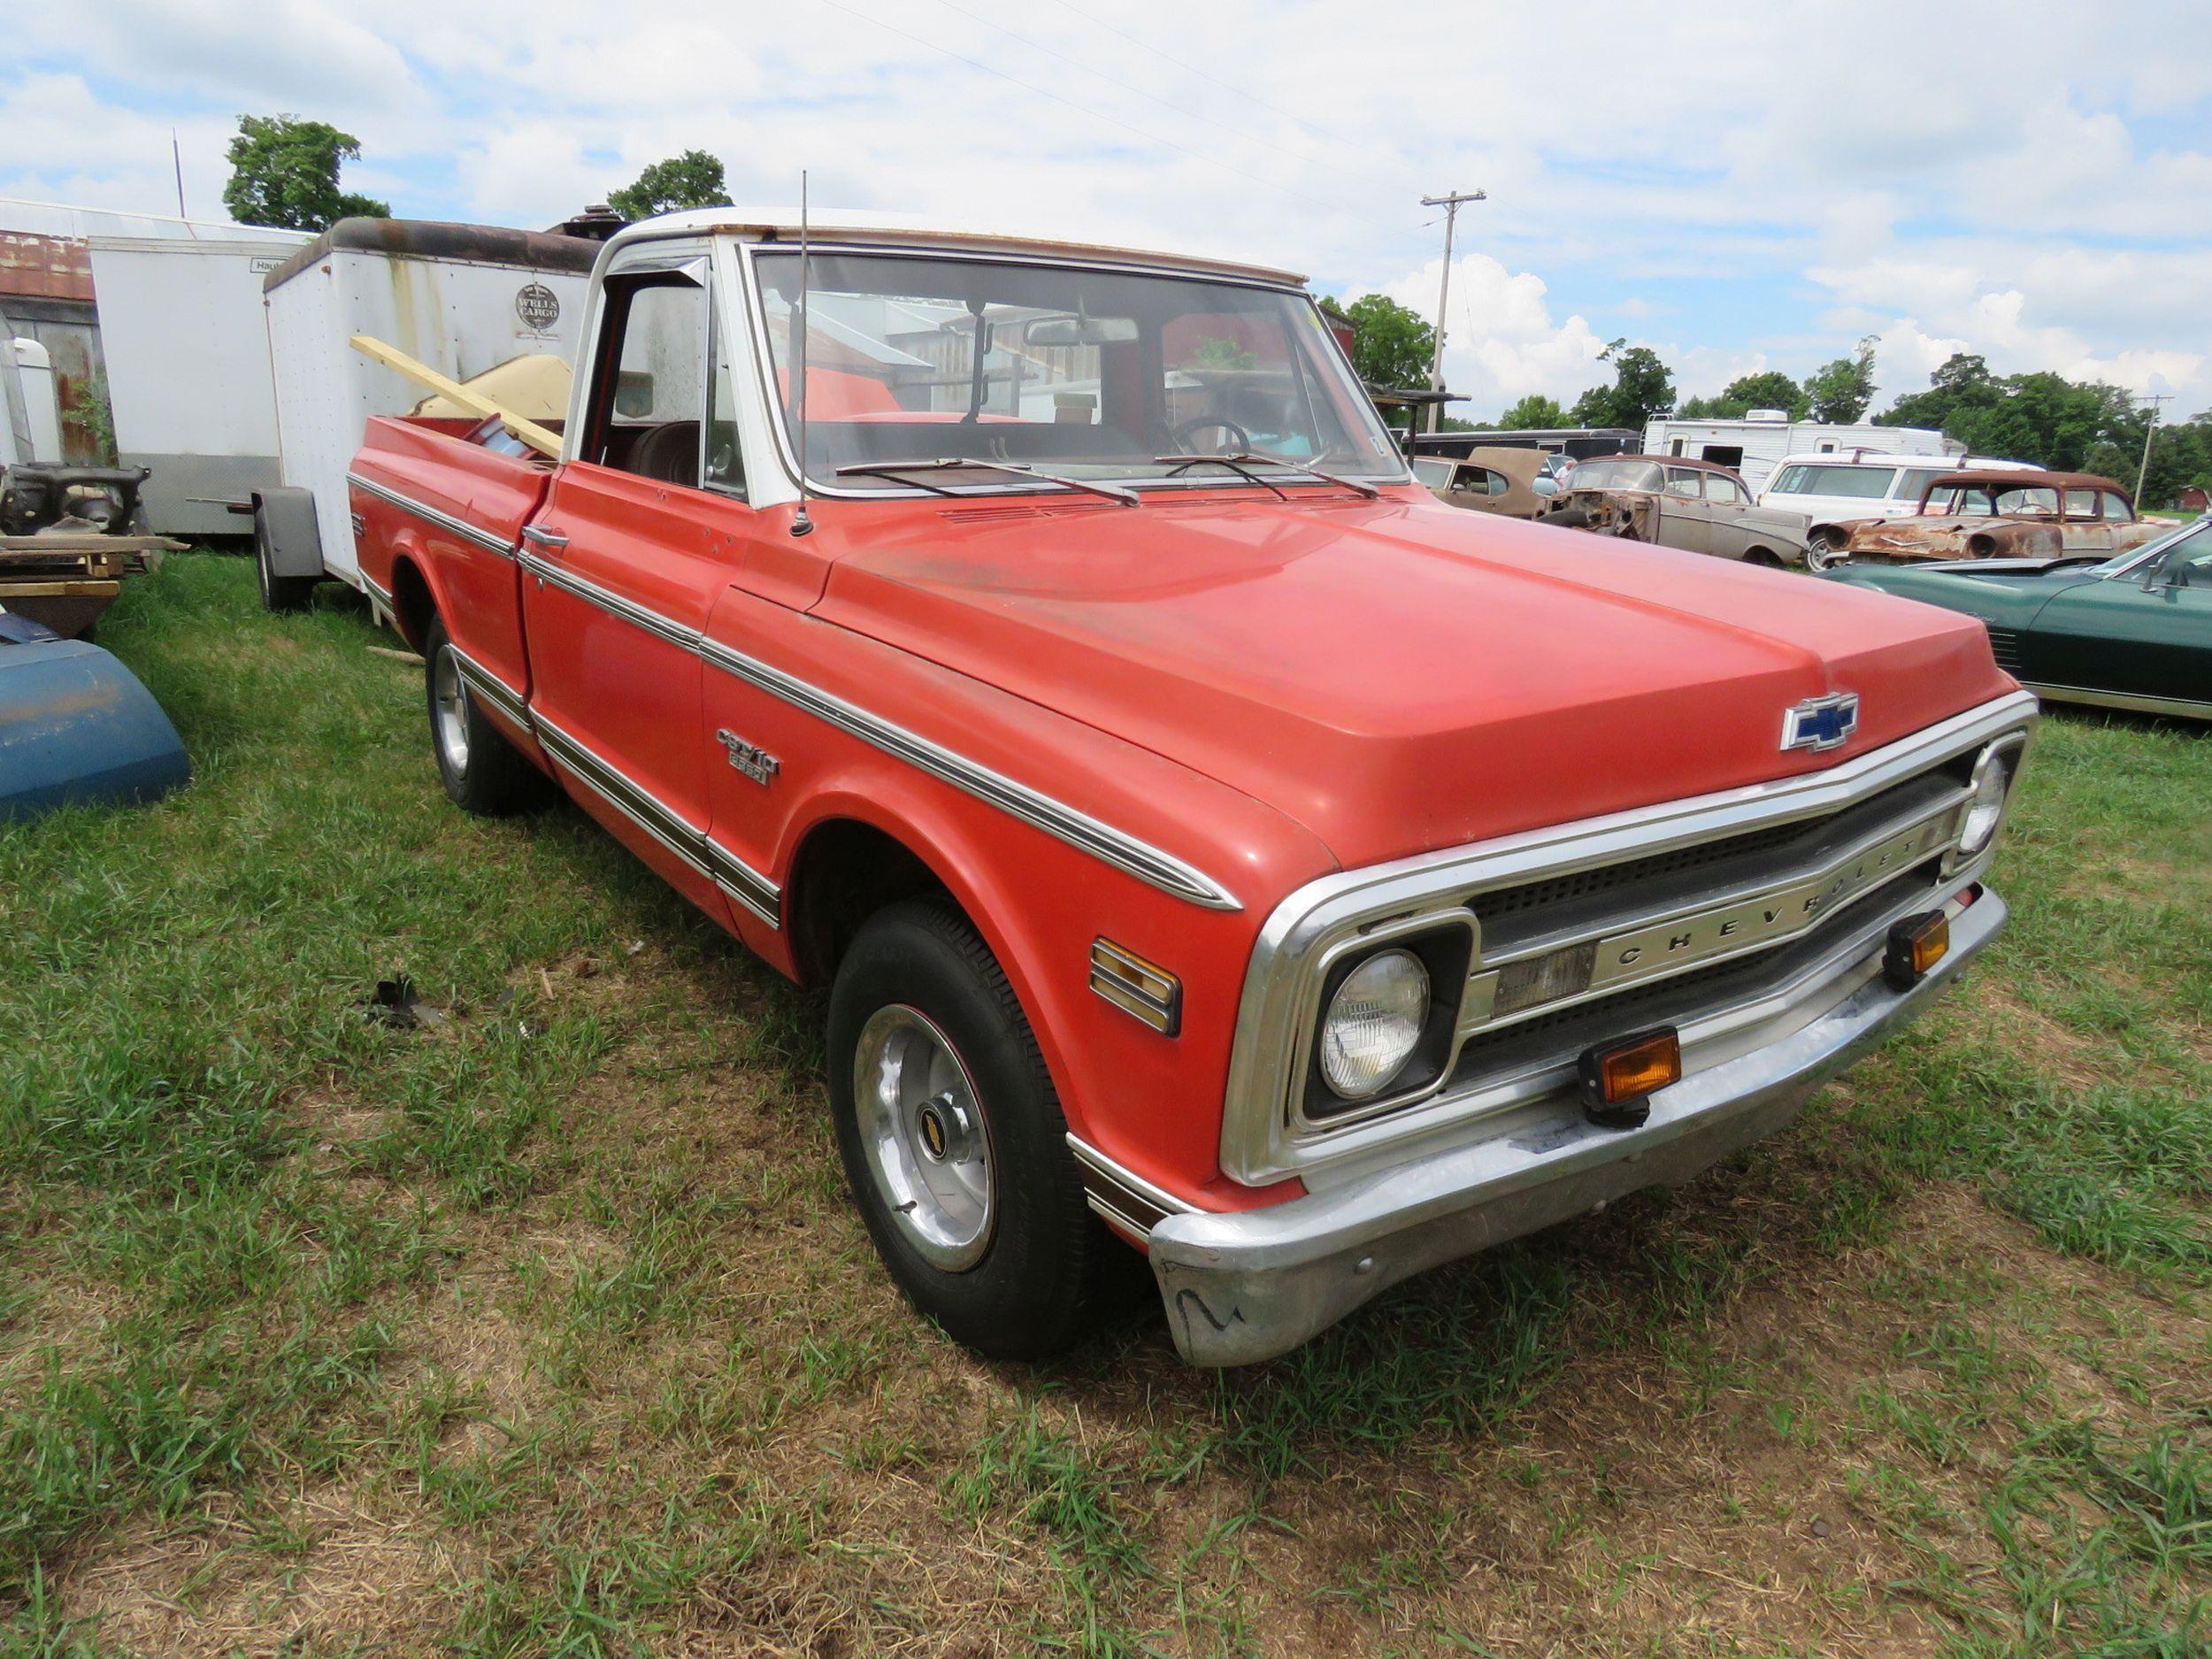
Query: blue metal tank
[[76, 726]]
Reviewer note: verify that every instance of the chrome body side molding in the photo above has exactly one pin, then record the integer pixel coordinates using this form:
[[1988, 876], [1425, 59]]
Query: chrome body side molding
[[491, 687], [485, 539], [1078, 829], [689, 841], [2138, 702], [1123, 1196]]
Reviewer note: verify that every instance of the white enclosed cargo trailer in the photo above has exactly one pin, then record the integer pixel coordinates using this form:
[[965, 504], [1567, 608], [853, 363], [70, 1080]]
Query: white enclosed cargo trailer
[[460, 299], [1755, 445], [187, 369]]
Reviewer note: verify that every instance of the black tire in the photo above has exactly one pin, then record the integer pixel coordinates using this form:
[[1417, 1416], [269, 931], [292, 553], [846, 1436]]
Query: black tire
[[482, 773], [278, 593], [1567, 519], [1045, 1273]]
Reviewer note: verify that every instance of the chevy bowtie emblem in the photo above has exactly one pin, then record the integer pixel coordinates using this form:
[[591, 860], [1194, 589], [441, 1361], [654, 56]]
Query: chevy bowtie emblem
[[1820, 723]]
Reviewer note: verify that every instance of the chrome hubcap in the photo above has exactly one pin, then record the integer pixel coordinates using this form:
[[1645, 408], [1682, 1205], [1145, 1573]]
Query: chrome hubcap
[[928, 1148], [451, 698]]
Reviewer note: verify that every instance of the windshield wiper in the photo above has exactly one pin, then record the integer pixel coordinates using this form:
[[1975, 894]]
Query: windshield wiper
[[1252, 457], [894, 469], [1182, 463]]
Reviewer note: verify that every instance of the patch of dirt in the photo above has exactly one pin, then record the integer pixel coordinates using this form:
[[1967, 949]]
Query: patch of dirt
[[329, 1570]]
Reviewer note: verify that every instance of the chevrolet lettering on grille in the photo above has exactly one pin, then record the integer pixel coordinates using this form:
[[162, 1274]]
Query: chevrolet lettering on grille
[[1778, 914]]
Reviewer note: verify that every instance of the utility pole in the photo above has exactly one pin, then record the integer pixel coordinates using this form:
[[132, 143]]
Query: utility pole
[[2156, 400], [176, 156], [1450, 204]]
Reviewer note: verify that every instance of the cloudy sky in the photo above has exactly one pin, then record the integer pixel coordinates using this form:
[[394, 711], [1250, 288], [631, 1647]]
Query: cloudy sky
[[1741, 187]]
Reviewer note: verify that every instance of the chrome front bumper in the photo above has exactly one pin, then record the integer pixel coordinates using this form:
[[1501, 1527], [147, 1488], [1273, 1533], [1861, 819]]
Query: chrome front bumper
[[1246, 1286]]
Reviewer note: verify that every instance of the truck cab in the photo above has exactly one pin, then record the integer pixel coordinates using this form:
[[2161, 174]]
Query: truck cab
[[1207, 841]]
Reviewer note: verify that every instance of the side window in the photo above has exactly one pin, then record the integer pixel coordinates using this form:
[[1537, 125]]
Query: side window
[[1498, 483], [1791, 482], [649, 393], [2081, 503], [1682, 482], [1724, 490], [2115, 510]]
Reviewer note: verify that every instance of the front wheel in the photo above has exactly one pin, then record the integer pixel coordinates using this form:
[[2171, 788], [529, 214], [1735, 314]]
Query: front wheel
[[482, 771], [1822, 553], [953, 1141]]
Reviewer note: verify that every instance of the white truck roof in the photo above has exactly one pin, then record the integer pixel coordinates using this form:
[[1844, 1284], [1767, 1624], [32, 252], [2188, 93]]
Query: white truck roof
[[844, 225], [1923, 462]]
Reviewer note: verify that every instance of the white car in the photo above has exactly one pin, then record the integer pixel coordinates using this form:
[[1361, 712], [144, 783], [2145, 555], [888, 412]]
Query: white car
[[1833, 488]]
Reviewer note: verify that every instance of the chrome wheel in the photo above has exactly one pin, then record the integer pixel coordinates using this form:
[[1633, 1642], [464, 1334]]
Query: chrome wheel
[[1822, 555], [923, 1132], [451, 715]]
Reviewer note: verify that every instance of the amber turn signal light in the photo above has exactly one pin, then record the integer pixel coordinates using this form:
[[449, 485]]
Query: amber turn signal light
[[1916, 945], [1619, 1078]]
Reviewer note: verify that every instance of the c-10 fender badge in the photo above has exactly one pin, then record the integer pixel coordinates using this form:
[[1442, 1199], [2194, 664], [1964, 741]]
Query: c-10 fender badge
[[755, 763]]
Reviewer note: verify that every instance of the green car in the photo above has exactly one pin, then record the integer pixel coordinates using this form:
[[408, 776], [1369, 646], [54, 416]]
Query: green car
[[2132, 630]]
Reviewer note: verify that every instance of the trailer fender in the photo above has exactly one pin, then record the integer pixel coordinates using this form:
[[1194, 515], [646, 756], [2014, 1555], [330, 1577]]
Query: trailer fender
[[285, 514]]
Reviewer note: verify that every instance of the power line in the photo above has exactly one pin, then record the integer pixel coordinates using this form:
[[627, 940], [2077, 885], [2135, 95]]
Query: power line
[[1084, 109]]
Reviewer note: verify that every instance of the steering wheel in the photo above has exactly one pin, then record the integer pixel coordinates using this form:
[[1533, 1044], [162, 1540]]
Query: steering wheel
[[1180, 435]]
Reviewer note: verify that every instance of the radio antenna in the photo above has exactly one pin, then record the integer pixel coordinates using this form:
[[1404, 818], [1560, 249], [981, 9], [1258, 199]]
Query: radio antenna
[[801, 524]]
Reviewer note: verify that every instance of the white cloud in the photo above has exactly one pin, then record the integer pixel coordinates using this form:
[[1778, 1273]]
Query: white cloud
[[1765, 176]]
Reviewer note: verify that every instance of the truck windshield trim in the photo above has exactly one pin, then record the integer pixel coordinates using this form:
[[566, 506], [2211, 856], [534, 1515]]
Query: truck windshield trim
[[1090, 373]]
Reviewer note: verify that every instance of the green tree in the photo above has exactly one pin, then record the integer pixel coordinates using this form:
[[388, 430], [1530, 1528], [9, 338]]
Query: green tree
[[284, 172], [1533, 412], [1770, 389], [1961, 389], [1839, 393], [1642, 391], [691, 180], [1391, 346]]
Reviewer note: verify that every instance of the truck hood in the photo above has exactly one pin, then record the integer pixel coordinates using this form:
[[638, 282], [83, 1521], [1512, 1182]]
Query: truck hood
[[1396, 675]]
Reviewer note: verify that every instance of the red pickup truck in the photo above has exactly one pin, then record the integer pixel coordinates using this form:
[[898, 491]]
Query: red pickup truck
[[1207, 839]]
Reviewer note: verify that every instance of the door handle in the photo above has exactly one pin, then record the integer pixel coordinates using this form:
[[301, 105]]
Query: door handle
[[540, 536]]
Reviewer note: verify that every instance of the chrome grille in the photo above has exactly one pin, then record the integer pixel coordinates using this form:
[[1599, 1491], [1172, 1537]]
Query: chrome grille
[[1512, 917], [1687, 996]]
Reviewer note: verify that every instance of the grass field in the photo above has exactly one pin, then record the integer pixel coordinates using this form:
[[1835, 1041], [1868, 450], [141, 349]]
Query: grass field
[[546, 1330]]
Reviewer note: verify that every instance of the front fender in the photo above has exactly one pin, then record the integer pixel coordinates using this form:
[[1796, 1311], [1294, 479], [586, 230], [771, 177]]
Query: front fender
[[1152, 1102]]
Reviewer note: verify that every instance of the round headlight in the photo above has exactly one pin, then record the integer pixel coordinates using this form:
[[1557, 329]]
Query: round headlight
[[1986, 806], [1374, 1021]]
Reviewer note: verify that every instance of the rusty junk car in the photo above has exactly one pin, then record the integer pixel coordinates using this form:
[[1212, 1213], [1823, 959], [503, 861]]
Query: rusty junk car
[[1990, 514], [1694, 505], [1503, 481]]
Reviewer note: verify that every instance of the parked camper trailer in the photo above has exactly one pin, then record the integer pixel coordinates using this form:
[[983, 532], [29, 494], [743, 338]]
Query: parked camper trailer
[[1758, 444], [461, 299], [187, 369]]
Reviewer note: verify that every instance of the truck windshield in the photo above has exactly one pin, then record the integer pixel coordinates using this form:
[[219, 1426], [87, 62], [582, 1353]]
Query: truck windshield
[[1616, 475], [1085, 374]]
